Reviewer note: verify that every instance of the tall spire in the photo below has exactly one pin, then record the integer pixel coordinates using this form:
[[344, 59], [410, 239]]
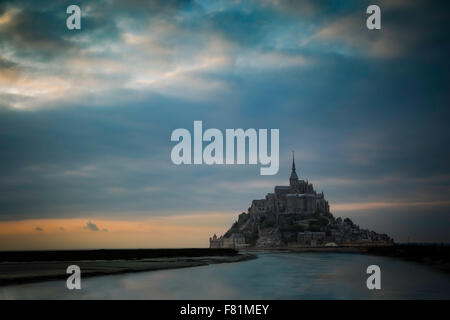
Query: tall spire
[[293, 162], [294, 176]]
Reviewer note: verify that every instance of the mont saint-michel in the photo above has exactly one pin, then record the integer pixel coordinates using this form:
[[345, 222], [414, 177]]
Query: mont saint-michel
[[295, 216]]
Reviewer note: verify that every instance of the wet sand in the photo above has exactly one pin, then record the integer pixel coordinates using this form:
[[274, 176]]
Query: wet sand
[[52, 265]]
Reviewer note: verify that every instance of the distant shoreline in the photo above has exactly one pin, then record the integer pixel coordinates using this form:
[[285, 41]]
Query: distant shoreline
[[111, 254], [435, 256], [432, 255], [38, 266]]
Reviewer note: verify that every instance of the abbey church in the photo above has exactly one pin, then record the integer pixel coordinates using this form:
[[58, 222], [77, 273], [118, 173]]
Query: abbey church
[[298, 197]]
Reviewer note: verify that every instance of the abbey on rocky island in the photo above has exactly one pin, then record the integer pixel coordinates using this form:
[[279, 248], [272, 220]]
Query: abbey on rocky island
[[294, 215]]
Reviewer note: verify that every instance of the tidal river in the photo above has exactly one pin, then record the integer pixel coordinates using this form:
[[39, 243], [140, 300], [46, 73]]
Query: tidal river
[[271, 276]]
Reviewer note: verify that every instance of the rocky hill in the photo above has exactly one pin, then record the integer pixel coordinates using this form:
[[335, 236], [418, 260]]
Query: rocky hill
[[294, 215]]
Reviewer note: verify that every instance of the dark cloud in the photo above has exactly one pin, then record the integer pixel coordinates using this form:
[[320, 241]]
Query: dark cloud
[[39, 30], [6, 64], [92, 226], [35, 31], [38, 229], [409, 29]]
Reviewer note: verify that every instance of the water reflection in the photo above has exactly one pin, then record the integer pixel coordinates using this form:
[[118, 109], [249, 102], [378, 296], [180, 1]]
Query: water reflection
[[271, 276]]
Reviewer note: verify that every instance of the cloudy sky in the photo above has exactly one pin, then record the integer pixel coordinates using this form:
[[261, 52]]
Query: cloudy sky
[[86, 116]]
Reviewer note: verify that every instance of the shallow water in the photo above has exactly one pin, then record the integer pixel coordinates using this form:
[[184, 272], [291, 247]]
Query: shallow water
[[271, 276]]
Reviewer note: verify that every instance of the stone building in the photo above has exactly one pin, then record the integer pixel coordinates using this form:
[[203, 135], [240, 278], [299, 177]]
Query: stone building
[[235, 241], [298, 197], [310, 238]]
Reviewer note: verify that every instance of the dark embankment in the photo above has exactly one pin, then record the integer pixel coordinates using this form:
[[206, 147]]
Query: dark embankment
[[110, 254], [434, 255]]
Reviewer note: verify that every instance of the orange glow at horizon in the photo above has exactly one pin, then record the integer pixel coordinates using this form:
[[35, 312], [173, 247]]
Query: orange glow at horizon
[[156, 232], [356, 206]]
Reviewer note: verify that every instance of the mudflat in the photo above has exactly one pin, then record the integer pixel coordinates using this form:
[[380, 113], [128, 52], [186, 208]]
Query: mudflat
[[33, 266]]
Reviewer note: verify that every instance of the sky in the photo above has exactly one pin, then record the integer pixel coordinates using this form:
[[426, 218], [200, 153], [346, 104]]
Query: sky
[[86, 116]]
